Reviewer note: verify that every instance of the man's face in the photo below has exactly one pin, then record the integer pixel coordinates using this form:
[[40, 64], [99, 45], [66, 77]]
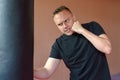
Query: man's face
[[64, 21]]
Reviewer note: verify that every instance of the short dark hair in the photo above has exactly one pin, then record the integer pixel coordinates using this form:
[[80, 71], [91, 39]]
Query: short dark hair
[[61, 8]]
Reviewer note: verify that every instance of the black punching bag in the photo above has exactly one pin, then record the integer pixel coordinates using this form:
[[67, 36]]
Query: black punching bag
[[16, 39]]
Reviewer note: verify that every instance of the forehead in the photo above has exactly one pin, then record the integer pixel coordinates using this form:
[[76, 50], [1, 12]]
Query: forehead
[[61, 16]]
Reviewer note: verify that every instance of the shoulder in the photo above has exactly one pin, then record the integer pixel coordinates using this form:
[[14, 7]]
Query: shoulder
[[94, 27], [60, 38], [92, 23], [57, 41]]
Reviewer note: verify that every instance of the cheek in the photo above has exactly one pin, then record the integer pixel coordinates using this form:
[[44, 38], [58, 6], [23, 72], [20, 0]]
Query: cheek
[[60, 28], [71, 23]]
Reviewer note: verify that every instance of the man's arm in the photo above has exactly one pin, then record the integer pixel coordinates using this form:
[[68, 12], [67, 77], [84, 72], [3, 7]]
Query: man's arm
[[101, 42], [46, 71]]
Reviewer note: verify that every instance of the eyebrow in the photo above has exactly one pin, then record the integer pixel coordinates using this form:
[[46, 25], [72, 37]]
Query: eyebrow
[[63, 21]]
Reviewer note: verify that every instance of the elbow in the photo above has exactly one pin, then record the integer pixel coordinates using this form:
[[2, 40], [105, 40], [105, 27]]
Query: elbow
[[108, 50]]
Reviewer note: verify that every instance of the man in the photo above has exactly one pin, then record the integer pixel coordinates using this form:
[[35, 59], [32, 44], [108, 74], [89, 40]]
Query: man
[[82, 47]]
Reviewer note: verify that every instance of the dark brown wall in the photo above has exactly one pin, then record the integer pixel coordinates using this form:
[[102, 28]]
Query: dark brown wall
[[106, 12]]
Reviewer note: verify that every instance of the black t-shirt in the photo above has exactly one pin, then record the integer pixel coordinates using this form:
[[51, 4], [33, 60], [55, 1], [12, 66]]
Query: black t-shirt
[[84, 61]]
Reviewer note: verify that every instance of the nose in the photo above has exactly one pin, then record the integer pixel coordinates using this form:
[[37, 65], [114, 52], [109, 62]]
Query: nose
[[65, 25]]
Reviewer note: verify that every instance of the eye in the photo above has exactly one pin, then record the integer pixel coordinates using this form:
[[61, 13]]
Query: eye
[[67, 20], [60, 24]]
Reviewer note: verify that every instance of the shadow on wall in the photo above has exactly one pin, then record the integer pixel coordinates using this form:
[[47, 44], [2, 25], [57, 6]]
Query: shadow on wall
[[116, 77]]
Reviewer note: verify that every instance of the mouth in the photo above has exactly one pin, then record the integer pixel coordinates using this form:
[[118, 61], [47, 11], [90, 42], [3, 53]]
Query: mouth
[[67, 30]]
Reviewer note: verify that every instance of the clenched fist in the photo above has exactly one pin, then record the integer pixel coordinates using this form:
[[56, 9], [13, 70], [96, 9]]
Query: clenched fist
[[77, 27]]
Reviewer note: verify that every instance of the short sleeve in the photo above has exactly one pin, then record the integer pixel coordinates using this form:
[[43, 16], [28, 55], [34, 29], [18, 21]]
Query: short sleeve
[[55, 52], [97, 29]]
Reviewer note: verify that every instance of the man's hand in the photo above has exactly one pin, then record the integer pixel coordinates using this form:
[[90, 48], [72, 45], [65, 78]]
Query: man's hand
[[77, 27], [36, 74]]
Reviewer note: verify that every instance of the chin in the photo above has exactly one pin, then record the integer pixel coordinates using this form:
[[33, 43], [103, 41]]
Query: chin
[[69, 33]]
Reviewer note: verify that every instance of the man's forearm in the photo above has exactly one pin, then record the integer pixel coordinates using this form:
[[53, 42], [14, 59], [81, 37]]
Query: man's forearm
[[101, 42]]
